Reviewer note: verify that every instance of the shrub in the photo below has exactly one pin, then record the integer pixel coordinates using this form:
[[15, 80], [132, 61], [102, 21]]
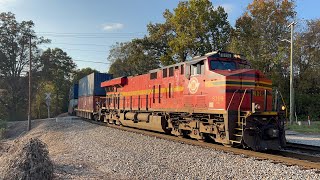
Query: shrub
[[3, 125], [30, 161]]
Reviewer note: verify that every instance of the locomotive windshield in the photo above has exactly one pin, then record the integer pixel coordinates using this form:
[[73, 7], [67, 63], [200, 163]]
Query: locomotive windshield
[[222, 65]]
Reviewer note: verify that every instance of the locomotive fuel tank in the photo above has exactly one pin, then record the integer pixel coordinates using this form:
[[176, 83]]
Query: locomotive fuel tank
[[144, 121]]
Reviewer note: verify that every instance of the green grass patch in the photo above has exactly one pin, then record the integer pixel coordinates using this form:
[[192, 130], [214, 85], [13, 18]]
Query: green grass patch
[[305, 128]]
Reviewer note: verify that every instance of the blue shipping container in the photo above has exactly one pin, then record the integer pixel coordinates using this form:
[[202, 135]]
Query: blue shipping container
[[73, 93], [91, 85]]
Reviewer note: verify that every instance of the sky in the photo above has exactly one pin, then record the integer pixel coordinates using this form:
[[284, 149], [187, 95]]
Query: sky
[[86, 29]]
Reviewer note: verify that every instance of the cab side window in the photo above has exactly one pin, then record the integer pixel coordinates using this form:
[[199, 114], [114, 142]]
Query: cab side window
[[171, 71], [197, 69]]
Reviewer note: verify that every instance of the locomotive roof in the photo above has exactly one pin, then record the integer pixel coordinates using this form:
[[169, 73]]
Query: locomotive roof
[[193, 60], [241, 59]]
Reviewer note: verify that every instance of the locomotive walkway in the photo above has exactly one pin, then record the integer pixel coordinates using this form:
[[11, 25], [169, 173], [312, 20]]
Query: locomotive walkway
[[82, 150]]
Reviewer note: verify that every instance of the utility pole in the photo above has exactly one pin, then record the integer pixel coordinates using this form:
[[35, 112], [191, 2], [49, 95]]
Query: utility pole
[[291, 75], [29, 109]]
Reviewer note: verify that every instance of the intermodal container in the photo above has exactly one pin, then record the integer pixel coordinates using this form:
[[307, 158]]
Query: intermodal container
[[90, 85], [73, 93], [90, 103]]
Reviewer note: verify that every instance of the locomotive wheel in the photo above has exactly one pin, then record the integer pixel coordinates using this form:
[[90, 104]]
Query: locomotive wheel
[[96, 117]]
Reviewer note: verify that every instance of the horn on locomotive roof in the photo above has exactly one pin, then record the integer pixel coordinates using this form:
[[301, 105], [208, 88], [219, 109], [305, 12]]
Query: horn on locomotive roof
[[210, 53]]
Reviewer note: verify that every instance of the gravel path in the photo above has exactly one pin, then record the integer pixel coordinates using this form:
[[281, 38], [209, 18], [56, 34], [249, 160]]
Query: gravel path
[[81, 150], [309, 139]]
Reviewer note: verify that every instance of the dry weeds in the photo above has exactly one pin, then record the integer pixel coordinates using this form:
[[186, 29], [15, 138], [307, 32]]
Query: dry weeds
[[28, 161]]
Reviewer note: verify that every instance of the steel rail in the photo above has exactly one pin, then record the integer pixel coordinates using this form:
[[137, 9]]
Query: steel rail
[[280, 157], [303, 148]]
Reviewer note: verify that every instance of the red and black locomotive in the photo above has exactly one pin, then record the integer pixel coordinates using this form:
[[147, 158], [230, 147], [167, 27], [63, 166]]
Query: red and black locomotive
[[216, 96]]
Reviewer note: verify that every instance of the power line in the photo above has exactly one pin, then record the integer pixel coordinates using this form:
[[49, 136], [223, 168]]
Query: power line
[[85, 50], [79, 33], [80, 60], [74, 44], [72, 49], [89, 36], [91, 61]]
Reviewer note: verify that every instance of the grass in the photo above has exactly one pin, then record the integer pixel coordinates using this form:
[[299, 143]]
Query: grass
[[304, 128], [3, 125]]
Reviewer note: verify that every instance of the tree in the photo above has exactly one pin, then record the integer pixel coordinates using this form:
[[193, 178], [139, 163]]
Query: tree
[[195, 27], [131, 58], [80, 73], [158, 42], [307, 55], [39, 107], [258, 34], [3, 110], [14, 41], [57, 69]]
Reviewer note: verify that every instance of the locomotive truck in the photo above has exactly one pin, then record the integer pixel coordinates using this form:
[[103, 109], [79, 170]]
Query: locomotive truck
[[212, 97]]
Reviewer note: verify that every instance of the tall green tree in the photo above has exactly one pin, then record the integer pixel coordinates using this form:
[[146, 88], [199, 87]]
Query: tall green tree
[[158, 42], [195, 27], [14, 60], [57, 68], [131, 58], [258, 34], [39, 106], [307, 69]]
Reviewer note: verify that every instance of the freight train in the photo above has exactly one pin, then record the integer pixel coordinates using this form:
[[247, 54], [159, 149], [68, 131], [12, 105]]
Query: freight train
[[212, 97]]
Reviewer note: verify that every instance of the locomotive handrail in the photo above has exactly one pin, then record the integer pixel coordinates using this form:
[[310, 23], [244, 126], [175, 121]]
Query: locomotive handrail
[[284, 103], [244, 94], [232, 98]]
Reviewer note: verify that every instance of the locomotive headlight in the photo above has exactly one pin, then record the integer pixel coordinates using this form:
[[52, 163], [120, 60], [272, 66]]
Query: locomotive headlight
[[283, 108], [257, 107]]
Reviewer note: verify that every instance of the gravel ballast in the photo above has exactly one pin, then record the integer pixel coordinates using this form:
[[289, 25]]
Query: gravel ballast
[[81, 150]]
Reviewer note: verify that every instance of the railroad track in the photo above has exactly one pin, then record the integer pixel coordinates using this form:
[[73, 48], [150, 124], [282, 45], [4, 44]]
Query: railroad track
[[302, 151], [303, 148], [288, 157]]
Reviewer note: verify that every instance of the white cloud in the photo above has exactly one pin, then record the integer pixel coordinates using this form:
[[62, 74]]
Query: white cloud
[[4, 4], [112, 26], [227, 7]]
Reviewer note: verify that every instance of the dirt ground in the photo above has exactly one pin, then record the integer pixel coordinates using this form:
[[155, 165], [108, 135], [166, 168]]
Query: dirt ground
[[54, 138]]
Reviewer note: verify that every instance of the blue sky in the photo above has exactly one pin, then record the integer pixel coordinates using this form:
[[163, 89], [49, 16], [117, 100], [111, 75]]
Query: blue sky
[[96, 25]]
